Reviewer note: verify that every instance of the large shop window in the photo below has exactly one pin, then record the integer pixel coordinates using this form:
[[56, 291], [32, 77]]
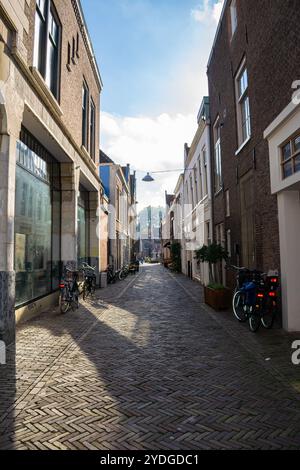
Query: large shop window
[[83, 226], [37, 221]]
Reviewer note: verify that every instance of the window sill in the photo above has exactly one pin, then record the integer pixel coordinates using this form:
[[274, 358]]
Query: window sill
[[218, 192], [243, 145], [50, 97]]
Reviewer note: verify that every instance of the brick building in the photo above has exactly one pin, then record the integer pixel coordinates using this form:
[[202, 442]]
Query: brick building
[[49, 182], [253, 62], [120, 189]]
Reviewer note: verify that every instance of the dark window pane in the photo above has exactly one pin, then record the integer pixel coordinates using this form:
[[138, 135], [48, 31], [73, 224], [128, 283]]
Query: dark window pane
[[297, 163], [297, 144], [287, 169], [286, 152]]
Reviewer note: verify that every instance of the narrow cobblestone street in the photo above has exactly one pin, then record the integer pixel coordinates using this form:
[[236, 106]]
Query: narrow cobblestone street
[[149, 367]]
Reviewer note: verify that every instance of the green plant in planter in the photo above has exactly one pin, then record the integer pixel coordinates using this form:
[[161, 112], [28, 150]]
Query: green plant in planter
[[212, 254], [176, 256]]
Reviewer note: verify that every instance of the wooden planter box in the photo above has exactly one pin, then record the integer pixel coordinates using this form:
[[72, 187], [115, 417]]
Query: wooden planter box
[[218, 299]]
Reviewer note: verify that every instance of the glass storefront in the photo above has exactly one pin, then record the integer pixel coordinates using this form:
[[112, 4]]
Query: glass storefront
[[83, 226], [37, 221]]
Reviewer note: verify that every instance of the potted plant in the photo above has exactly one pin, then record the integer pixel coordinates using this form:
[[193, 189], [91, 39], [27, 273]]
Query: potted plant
[[176, 256], [216, 295]]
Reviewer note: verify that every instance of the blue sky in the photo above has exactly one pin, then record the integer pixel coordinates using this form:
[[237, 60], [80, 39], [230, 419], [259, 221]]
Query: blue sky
[[152, 56]]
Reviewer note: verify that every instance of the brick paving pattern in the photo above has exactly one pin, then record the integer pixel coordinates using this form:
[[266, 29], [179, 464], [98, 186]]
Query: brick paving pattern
[[148, 366]]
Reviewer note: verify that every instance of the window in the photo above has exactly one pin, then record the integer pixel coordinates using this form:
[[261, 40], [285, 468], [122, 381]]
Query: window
[[227, 200], [218, 163], [192, 191], [208, 237], [37, 220], [243, 106], [46, 44], [118, 201], [205, 176], [85, 101], [290, 157], [92, 129], [200, 178], [233, 17], [196, 184], [228, 248]]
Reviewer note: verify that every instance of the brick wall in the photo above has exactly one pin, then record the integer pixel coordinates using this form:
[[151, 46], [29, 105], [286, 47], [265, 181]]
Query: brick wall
[[268, 35], [71, 81]]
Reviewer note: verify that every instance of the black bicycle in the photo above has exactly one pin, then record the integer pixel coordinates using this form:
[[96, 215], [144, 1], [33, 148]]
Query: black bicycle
[[111, 275], [255, 298], [90, 280], [69, 291]]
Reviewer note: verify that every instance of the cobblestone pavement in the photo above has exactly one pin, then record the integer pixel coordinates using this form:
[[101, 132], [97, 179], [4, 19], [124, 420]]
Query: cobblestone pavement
[[148, 367]]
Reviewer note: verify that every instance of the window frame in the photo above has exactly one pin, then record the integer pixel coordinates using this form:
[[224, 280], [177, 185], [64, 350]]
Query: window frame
[[85, 116], [205, 168], [294, 153], [217, 156], [243, 108], [92, 129], [41, 59]]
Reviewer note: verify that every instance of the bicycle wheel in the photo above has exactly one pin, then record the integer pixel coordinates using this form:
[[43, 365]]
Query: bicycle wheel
[[64, 303], [239, 306], [254, 321], [75, 301], [93, 286], [84, 291], [269, 313], [122, 275]]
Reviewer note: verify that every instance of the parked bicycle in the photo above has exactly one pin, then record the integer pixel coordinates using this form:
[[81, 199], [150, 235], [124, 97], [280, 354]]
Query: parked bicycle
[[255, 298], [124, 272], [90, 280], [111, 275], [69, 291]]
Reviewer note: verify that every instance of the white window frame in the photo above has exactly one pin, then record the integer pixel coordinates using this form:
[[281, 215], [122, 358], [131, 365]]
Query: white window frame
[[243, 105], [217, 156], [205, 171]]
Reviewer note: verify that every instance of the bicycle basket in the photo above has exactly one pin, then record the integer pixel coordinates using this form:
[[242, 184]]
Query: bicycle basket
[[244, 276], [249, 289]]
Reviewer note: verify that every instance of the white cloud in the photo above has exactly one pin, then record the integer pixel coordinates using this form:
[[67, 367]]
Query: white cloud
[[149, 144], [208, 12]]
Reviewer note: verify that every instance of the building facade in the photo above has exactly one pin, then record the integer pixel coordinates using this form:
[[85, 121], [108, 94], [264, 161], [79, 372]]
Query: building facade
[[283, 135], [120, 188], [197, 196], [250, 73], [50, 188]]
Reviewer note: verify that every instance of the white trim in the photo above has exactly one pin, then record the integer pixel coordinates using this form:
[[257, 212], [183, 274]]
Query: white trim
[[285, 115], [243, 145]]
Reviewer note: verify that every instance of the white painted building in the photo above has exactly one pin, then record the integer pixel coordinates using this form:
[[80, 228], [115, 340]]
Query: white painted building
[[196, 199], [283, 136]]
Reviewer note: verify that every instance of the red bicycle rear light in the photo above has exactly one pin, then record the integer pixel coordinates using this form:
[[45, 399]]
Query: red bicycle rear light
[[260, 296], [61, 286], [272, 294], [274, 280]]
